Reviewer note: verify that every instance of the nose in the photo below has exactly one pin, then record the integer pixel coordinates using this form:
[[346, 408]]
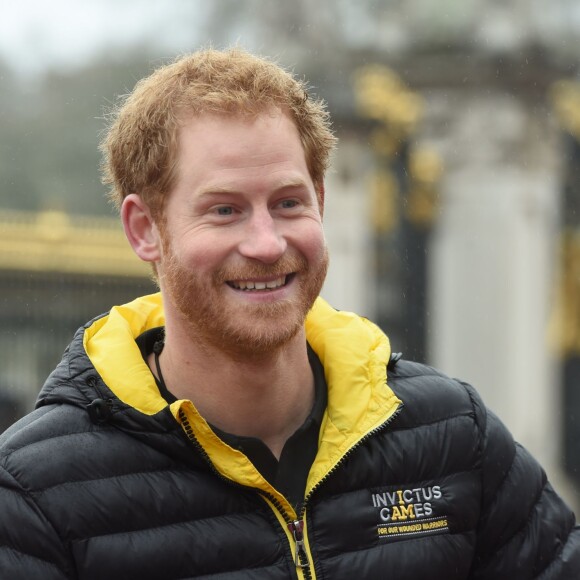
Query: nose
[[263, 240]]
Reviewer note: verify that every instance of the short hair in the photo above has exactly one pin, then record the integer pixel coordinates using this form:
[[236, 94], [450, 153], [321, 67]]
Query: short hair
[[140, 144]]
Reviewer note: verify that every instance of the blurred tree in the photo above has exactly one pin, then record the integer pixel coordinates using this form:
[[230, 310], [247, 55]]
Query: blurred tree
[[15, 187], [49, 133]]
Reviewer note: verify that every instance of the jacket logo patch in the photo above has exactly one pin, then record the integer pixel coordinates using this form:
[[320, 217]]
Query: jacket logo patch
[[412, 511]]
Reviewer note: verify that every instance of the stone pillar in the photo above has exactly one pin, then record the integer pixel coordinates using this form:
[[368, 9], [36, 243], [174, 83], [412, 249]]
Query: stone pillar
[[350, 282], [494, 260]]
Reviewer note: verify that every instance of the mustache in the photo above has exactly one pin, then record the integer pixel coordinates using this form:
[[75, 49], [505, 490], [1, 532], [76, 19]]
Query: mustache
[[287, 264]]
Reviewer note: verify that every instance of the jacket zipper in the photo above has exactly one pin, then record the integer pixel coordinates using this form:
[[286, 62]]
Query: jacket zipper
[[296, 526], [301, 558], [299, 523], [297, 529]]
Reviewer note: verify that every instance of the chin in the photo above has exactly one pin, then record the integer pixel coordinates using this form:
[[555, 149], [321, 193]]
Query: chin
[[264, 338], [257, 331]]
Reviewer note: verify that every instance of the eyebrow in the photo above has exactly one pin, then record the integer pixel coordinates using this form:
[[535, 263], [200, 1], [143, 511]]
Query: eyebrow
[[212, 190]]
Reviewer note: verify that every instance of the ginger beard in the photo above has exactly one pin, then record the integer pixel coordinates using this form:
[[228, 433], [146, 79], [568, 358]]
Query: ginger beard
[[248, 329]]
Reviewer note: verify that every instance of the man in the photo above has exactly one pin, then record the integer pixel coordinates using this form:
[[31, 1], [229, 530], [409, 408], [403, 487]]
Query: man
[[235, 425]]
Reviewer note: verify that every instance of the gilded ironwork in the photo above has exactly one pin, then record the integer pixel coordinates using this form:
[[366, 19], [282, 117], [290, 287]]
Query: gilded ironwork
[[53, 241], [565, 327], [425, 171], [384, 205], [565, 323], [403, 204], [381, 95], [566, 102]]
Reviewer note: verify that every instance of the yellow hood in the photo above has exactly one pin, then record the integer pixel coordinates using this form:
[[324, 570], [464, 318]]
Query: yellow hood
[[353, 351]]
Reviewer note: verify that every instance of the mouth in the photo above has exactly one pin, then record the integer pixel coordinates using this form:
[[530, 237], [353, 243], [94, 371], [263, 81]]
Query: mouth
[[260, 285]]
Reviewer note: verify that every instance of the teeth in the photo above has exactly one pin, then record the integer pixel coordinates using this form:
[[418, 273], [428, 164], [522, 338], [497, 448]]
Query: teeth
[[249, 285]]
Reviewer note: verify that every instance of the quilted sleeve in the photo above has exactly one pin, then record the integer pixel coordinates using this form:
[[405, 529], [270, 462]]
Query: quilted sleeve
[[526, 530], [29, 545]]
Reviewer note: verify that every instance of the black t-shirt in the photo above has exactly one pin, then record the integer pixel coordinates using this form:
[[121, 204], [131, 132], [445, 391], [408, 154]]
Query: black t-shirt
[[290, 473]]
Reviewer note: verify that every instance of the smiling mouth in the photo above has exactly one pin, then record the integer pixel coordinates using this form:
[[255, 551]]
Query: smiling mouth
[[259, 286]]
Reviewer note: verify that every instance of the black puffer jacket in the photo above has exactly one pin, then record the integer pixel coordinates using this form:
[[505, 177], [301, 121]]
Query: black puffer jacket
[[413, 480]]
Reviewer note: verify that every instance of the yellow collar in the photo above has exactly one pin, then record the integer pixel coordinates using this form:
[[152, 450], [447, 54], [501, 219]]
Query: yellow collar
[[353, 351]]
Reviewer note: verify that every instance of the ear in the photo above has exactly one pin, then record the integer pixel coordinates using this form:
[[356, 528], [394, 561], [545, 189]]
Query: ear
[[140, 229]]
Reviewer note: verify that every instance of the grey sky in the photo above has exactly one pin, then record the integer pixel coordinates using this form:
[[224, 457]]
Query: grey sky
[[35, 34]]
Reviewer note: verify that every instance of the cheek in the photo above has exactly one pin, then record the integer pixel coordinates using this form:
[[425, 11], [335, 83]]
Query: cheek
[[312, 244], [204, 253]]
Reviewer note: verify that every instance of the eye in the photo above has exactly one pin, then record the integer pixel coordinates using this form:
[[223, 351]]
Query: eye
[[288, 203], [224, 210]]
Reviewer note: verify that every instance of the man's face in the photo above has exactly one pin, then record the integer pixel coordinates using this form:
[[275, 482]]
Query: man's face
[[244, 255]]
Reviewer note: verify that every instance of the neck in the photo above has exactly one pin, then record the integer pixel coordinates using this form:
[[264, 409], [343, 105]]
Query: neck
[[267, 396]]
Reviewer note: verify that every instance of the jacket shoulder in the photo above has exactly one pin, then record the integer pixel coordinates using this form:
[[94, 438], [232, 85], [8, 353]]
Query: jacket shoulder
[[516, 500], [42, 424], [61, 443], [430, 396], [45, 445], [33, 456]]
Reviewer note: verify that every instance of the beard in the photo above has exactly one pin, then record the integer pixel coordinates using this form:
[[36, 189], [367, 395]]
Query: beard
[[213, 318]]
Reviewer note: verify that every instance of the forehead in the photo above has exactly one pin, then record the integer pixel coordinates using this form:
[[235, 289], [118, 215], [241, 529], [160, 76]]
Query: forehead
[[218, 122], [216, 141]]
